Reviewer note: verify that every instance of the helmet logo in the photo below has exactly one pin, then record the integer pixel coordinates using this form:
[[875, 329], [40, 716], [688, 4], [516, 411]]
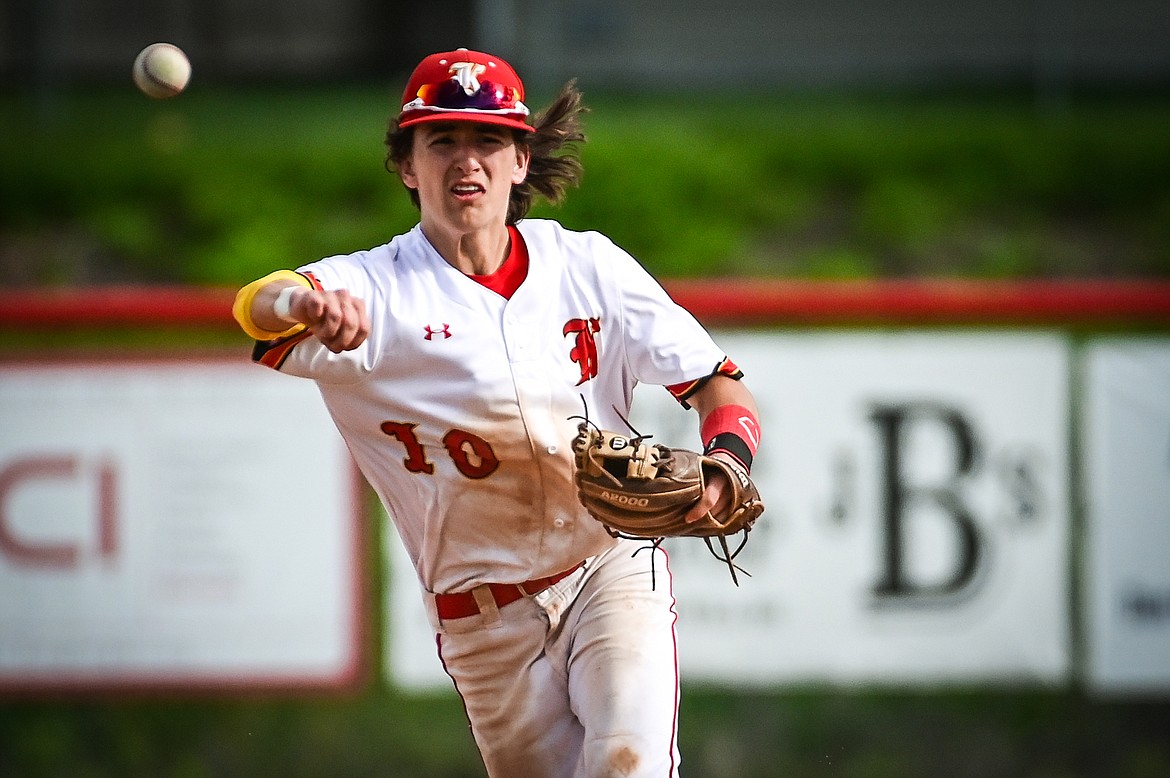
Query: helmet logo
[[467, 74]]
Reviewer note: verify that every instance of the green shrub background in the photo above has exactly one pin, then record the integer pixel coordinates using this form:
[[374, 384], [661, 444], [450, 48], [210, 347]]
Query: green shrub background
[[219, 187]]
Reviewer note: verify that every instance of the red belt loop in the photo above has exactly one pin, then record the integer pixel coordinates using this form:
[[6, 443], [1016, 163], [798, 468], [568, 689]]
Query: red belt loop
[[460, 605]]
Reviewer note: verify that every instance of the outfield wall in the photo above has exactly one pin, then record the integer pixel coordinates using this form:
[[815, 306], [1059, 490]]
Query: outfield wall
[[967, 484]]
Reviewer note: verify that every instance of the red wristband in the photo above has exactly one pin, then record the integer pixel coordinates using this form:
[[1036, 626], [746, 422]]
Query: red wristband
[[734, 429]]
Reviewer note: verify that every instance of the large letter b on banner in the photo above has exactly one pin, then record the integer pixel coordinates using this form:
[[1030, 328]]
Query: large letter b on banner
[[899, 496]]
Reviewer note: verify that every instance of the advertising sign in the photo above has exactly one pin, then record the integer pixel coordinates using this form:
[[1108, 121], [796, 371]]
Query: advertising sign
[[176, 524], [1127, 483]]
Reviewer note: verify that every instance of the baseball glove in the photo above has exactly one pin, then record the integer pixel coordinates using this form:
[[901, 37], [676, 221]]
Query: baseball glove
[[644, 491]]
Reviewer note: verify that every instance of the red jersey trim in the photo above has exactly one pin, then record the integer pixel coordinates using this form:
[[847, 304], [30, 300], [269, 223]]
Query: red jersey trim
[[508, 276], [684, 391], [273, 353], [313, 281]]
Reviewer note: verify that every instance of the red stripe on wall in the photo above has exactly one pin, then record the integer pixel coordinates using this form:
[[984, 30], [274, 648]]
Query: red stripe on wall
[[155, 306], [714, 302], [926, 302]]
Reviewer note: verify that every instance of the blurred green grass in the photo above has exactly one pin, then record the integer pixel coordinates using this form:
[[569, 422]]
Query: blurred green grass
[[219, 187], [762, 734]]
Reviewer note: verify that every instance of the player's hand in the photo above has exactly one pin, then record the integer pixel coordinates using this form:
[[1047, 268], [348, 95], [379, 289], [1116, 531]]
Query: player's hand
[[716, 498], [336, 318]]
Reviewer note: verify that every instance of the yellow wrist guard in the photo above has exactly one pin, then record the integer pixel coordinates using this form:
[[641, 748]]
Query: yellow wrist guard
[[242, 308]]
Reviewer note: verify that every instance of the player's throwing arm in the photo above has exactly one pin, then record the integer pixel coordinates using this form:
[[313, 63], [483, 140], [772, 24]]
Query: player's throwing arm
[[284, 303]]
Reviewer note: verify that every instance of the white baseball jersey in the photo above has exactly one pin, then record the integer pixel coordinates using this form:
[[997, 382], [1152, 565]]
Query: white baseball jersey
[[459, 407]]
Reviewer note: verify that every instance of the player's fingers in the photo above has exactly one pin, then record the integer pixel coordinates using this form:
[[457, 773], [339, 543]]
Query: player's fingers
[[716, 498], [326, 318], [359, 325], [353, 328], [344, 323], [307, 305]]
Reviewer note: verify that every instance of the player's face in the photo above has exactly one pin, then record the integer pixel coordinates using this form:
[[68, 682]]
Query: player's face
[[464, 173]]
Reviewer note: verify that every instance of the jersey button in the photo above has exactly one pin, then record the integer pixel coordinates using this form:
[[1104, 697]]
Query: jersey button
[[558, 523], [551, 449]]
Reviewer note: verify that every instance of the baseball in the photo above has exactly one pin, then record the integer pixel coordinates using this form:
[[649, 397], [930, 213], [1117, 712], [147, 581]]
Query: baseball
[[161, 70]]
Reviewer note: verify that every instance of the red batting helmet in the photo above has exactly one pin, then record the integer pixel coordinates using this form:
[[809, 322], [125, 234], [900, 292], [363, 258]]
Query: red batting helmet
[[464, 85]]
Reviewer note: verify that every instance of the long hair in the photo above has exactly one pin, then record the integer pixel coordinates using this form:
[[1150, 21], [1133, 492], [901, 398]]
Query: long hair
[[555, 164]]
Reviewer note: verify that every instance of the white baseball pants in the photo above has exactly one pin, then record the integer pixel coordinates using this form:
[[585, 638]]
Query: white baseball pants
[[578, 681]]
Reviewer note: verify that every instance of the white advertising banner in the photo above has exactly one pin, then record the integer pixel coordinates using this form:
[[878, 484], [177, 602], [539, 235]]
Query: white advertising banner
[[916, 529], [1127, 481], [176, 524]]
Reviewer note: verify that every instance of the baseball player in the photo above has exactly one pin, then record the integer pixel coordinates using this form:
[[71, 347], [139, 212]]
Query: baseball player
[[455, 361]]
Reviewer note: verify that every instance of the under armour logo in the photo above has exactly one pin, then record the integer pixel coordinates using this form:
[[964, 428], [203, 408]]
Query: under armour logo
[[431, 332]]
